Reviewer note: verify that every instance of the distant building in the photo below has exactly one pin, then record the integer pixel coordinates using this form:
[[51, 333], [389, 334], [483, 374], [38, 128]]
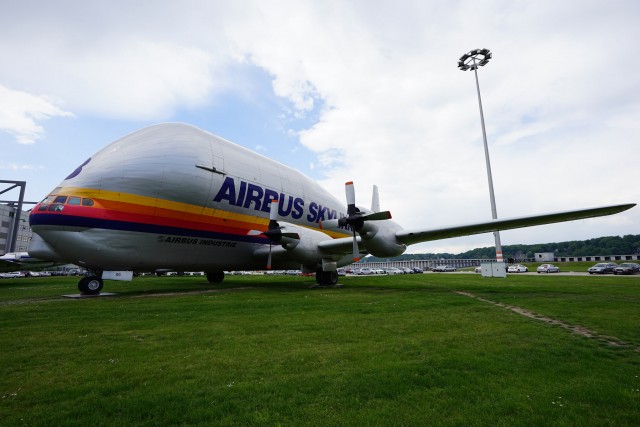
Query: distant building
[[544, 257], [7, 221]]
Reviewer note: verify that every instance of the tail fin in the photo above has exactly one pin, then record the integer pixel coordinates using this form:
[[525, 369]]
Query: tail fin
[[375, 200]]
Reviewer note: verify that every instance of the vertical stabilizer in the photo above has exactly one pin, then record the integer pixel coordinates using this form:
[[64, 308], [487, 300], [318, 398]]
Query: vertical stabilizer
[[375, 200]]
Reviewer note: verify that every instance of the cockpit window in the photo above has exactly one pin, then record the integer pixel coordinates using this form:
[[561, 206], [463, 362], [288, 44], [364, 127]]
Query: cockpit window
[[55, 203]]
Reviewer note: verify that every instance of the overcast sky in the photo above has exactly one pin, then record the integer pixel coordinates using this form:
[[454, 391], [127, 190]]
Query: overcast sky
[[363, 90]]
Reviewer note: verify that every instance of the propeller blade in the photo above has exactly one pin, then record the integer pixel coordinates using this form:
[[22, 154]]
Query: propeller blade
[[356, 251], [295, 236], [351, 197], [377, 216], [269, 259], [275, 235], [273, 210]]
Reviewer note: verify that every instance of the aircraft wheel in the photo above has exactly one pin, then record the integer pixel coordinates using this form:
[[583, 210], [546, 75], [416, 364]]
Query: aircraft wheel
[[326, 278], [91, 285], [215, 276]]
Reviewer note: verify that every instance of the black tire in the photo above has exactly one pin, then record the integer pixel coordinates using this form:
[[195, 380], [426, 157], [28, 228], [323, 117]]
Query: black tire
[[91, 285], [215, 276], [326, 278]]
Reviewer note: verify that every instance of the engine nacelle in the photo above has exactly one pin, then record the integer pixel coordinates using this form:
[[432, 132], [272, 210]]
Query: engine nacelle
[[379, 238], [305, 250]]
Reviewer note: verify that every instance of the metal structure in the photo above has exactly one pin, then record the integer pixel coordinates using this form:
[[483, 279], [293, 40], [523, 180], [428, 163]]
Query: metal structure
[[17, 205], [471, 61]]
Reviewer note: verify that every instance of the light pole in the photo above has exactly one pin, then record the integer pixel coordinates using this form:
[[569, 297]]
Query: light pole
[[471, 61]]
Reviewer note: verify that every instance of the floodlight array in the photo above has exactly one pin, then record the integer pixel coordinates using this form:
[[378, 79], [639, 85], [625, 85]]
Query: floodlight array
[[474, 59]]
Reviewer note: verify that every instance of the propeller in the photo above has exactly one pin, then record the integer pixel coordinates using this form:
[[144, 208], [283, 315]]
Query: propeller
[[355, 218], [274, 232]]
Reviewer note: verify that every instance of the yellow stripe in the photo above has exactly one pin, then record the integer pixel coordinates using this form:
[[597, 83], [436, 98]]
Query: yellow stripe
[[160, 203]]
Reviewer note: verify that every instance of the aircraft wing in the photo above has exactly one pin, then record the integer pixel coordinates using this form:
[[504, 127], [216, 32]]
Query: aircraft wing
[[15, 261], [8, 265], [410, 237], [342, 245]]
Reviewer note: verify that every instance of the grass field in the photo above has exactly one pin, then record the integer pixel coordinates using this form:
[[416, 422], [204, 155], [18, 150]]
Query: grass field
[[258, 350]]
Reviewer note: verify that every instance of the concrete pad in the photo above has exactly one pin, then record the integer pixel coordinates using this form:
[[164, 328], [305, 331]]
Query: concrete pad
[[83, 296]]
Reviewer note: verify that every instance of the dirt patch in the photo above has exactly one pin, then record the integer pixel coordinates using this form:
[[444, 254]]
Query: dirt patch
[[195, 292], [575, 329]]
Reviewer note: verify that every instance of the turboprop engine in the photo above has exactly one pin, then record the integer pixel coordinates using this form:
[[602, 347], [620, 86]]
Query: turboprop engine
[[301, 243], [379, 236]]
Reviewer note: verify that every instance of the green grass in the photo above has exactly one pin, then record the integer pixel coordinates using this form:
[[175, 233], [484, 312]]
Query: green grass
[[397, 350]]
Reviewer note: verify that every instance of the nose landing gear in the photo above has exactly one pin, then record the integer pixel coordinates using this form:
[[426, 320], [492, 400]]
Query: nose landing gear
[[326, 278], [90, 285]]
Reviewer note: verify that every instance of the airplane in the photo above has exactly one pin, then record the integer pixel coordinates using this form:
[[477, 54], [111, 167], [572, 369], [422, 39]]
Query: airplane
[[172, 196], [21, 261]]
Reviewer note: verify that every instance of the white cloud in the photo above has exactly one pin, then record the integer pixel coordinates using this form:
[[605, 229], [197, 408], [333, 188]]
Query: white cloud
[[19, 166], [130, 77], [407, 119], [20, 113], [142, 79]]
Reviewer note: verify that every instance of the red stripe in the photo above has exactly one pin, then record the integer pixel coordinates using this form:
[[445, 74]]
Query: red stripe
[[218, 225]]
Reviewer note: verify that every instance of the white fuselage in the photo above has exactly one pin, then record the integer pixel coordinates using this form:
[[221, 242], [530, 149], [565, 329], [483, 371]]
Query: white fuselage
[[173, 196]]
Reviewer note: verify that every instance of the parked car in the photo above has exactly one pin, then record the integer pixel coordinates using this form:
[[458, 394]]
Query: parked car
[[627, 268], [417, 270], [603, 268], [12, 275], [548, 268], [478, 270], [517, 268], [444, 268], [393, 270], [364, 271]]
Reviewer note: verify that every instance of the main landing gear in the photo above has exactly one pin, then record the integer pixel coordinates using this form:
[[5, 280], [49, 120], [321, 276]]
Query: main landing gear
[[215, 276], [90, 285], [326, 278]]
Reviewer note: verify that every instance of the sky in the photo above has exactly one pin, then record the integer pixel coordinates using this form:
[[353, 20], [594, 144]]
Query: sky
[[365, 91]]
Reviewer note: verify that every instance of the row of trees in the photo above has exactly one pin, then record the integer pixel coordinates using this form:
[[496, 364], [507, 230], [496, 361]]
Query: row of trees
[[610, 245]]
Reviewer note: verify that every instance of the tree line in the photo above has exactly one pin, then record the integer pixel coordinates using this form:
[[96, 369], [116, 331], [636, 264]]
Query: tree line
[[609, 245]]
